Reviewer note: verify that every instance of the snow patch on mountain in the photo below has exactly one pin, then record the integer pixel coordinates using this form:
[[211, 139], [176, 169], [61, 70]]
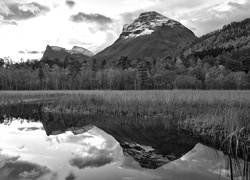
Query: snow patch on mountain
[[146, 24]]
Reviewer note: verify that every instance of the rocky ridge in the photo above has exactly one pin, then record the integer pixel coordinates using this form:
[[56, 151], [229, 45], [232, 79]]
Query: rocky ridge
[[55, 52]]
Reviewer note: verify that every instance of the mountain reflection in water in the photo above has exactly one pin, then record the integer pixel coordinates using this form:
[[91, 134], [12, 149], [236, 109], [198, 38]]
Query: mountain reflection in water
[[58, 147]]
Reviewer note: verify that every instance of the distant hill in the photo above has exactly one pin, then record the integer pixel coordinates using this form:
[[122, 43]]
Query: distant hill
[[150, 35], [55, 52]]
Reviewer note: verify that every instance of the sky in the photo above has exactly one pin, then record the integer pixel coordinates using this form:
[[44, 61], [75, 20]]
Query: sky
[[27, 27]]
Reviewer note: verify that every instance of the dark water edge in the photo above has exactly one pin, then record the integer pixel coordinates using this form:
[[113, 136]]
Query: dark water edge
[[151, 143]]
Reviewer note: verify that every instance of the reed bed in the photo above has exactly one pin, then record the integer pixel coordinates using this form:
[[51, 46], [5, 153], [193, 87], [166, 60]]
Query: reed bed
[[220, 119]]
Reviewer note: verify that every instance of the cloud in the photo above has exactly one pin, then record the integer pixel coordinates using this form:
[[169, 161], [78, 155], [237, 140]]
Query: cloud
[[32, 52], [129, 17], [78, 42], [70, 3], [214, 17], [95, 158], [76, 139], [183, 3], [22, 170], [71, 176], [98, 22], [7, 22], [237, 5], [91, 18], [13, 168], [21, 52], [28, 128], [6, 158], [17, 11], [21, 147], [130, 2], [109, 39]]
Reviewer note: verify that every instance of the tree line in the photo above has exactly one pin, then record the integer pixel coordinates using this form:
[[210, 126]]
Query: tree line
[[229, 70]]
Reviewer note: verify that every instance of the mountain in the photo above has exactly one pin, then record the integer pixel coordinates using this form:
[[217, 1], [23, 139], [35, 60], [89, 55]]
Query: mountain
[[55, 52], [235, 35], [81, 50], [150, 35]]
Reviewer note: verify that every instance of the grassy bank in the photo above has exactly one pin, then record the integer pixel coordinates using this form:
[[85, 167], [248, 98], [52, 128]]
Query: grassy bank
[[215, 115], [232, 108]]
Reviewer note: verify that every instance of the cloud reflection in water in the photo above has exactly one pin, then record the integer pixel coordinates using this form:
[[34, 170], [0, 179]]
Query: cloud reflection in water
[[93, 154]]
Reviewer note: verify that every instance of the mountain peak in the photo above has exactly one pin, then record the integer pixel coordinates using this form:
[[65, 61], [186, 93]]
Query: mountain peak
[[77, 49], [146, 24], [152, 16]]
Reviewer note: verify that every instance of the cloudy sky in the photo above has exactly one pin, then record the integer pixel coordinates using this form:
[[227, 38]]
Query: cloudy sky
[[27, 27]]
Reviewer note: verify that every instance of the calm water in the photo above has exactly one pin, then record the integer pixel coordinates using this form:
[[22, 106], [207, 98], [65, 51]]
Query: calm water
[[35, 150]]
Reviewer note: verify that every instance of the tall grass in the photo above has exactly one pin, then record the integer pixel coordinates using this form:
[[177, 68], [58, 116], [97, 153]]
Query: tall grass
[[220, 119], [215, 115]]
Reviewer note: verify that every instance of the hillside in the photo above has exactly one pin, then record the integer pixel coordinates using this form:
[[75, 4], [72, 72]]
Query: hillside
[[231, 37]]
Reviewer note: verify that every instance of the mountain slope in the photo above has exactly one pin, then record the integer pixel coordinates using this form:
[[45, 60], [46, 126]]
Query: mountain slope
[[151, 35], [55, 52], [235, 35]]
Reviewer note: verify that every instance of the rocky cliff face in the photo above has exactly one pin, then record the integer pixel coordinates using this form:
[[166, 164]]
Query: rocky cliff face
[[150, 35], [146, 156], [79, 53]]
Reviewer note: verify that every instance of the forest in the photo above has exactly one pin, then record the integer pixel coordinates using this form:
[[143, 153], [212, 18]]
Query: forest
[[218, 60], [229, 70]]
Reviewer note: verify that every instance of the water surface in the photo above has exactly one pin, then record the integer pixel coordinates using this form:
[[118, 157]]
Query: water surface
[[38, 150]]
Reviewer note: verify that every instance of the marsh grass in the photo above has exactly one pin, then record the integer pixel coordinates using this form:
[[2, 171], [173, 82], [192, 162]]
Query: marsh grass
[[221, 117]]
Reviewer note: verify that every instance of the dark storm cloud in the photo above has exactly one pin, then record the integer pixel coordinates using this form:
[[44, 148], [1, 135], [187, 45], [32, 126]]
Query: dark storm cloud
[[21, 52], [70, 3], [91, 18], [32, 52], [17, 11], [96, 158]]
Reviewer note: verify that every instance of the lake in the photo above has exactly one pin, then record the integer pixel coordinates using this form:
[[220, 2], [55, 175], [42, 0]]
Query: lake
[[46, 144]]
